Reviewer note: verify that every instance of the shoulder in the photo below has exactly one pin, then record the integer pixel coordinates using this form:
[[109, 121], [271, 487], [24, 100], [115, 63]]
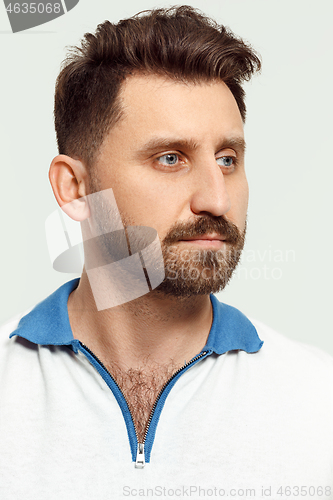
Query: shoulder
[[287, 354], [14, 361], [10, 326]]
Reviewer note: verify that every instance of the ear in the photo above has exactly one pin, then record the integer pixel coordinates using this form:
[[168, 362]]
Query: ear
[[68, 178]]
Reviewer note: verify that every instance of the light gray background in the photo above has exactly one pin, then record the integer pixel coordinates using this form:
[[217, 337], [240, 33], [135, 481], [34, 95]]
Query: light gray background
[[289, 165]]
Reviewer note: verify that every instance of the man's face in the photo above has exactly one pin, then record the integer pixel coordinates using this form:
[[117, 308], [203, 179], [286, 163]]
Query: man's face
[[175, 162]]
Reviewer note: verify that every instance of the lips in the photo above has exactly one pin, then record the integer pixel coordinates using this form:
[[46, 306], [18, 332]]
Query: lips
[[209, 237]]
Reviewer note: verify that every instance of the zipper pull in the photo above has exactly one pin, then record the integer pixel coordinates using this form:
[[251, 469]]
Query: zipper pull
[[140, 456]]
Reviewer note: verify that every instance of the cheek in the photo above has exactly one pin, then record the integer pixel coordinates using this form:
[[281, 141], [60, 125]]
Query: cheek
[[245, 196], [239, 202], [146, 202]]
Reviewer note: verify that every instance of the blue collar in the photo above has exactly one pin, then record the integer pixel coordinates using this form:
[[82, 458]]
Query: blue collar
[[48, 324]]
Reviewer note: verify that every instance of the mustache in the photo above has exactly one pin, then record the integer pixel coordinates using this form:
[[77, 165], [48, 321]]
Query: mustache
[[205, 225]]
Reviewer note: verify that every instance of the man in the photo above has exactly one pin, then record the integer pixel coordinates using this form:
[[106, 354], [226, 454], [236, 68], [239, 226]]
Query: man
[[149, 117]]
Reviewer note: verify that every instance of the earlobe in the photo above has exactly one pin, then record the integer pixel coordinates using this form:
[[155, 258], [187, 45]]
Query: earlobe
[[68, 180], [77, 209]]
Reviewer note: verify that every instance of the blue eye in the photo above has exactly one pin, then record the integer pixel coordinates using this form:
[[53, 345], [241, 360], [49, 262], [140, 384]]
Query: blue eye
[[170, 159], [227, 161]]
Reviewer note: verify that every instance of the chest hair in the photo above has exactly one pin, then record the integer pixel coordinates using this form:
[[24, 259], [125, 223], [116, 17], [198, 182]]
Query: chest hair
[[141, 388]]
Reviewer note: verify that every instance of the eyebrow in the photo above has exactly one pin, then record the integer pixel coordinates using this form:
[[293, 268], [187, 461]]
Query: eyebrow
[[156, 144]]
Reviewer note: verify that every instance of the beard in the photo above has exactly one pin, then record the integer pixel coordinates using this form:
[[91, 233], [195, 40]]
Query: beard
[[195, 271], [188, 271]]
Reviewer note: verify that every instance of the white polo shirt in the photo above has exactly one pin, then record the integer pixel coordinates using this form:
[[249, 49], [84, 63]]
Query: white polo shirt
[[243, 419]]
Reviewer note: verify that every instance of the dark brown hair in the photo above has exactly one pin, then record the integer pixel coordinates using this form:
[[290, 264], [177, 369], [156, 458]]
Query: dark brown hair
[[178, 42]]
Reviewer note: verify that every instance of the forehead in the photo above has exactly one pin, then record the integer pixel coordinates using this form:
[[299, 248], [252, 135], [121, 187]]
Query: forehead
[[155, 106], [146, 92]]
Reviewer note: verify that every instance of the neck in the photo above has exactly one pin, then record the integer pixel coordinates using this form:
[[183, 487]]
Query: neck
[[153, 330]]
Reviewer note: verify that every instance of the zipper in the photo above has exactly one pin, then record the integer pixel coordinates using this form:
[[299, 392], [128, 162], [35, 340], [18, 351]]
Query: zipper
[[140, 454], [114, 380]]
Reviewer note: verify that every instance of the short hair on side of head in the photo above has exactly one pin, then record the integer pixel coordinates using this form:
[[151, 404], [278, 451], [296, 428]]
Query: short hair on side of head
[[178, 42]]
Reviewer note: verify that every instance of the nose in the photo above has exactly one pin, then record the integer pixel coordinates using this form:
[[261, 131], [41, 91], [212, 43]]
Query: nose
[[210, 193]]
